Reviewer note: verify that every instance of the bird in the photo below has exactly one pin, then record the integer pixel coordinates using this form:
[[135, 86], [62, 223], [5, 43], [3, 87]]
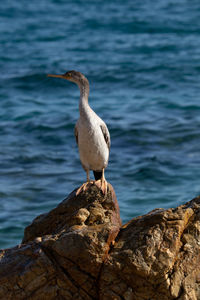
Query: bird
[[91, 133]]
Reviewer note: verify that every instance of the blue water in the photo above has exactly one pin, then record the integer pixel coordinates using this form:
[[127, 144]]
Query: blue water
[[142, 59]]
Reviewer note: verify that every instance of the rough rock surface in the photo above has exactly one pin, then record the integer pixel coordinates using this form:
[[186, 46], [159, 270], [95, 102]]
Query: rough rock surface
[[80, 251], [156, 256], [63, 251]]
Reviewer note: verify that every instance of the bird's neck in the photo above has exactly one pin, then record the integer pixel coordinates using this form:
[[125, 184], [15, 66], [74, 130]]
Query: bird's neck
[[83, 103]]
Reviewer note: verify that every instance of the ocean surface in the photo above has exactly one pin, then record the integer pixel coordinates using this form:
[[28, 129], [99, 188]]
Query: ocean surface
[[142, 59]]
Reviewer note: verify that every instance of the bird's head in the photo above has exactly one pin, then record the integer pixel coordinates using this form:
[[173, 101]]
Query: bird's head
[[74, 76]]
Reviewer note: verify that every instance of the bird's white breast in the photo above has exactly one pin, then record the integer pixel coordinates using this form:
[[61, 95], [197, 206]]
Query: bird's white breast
[[93, 149]]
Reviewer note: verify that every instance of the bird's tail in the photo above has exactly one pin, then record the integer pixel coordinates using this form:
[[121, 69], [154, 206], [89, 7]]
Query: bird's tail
[[97, 174]]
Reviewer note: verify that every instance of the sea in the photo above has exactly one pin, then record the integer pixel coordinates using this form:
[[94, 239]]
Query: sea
[[142, 59]]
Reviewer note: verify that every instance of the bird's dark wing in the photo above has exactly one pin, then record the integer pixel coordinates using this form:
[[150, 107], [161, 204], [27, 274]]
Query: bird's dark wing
[[106, 134], [76, 133]]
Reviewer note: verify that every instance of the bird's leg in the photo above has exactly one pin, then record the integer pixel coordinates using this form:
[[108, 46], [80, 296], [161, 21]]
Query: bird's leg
[[102, 183], [88, 177], [83, 187]]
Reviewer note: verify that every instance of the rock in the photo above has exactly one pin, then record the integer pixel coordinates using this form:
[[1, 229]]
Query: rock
[[80, 251], [63, 251], [156, 256]]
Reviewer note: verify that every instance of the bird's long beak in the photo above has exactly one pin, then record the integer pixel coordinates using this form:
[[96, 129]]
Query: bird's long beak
[[54, 75]]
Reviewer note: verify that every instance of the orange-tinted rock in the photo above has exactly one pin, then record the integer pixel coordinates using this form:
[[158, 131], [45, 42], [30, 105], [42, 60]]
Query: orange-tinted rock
[[78, 251], [156, 256], [63, 251]]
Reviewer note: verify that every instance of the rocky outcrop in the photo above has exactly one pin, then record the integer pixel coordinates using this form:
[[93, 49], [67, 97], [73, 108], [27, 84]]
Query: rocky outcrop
[[80, 251], [63, 251], [156, 256]]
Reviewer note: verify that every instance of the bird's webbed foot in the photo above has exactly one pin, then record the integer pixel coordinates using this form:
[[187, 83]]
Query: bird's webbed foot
[[102, 185], [84, 187]]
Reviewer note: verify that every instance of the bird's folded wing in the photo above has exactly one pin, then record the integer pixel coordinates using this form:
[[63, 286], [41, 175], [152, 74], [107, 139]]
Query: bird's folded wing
[[106, 134]]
